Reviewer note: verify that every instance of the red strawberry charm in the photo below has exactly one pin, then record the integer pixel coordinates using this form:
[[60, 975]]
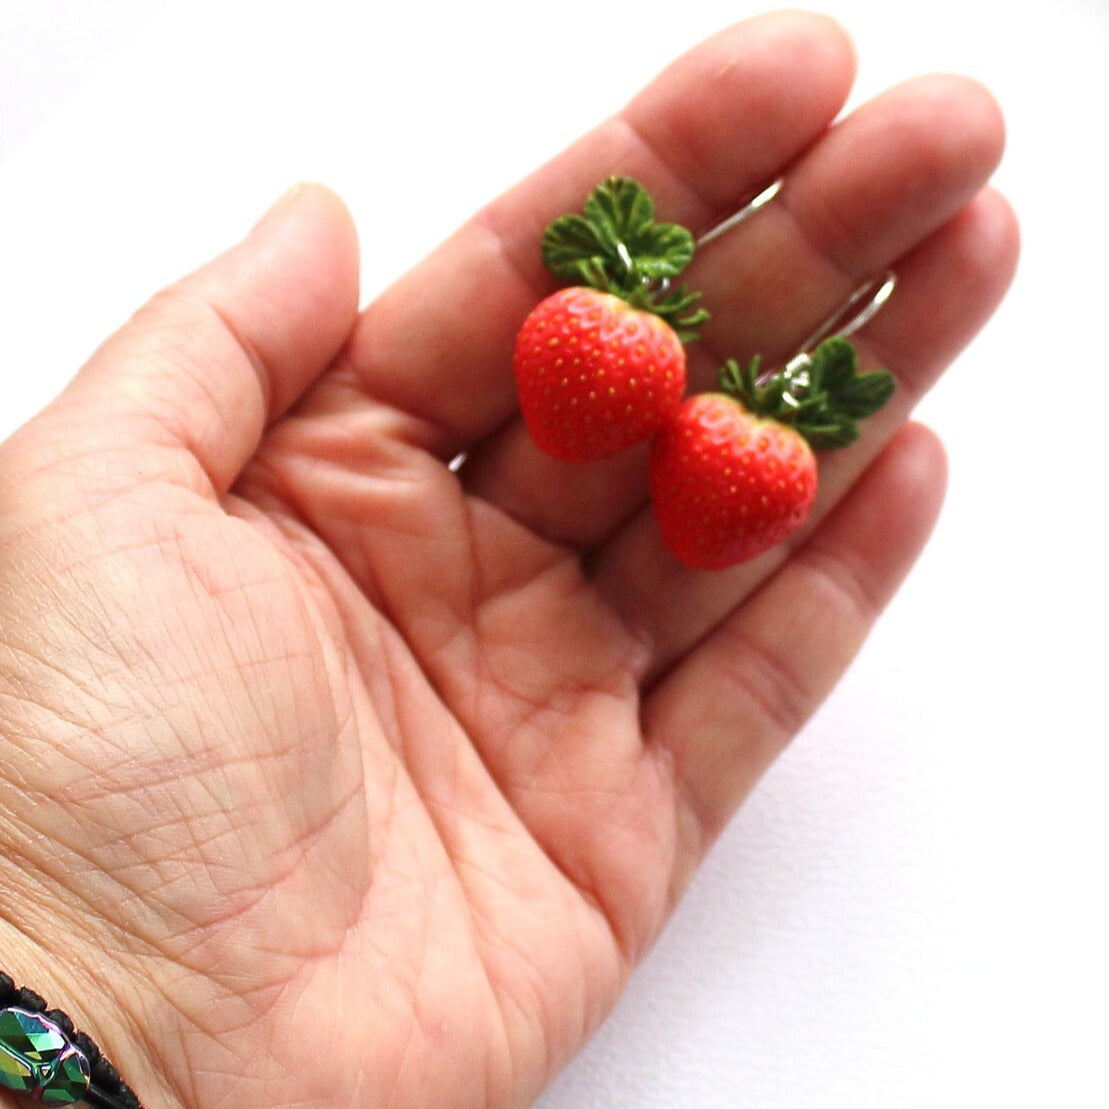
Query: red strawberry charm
[[595, 375], [734, 473], [727, 485], [600, 365]]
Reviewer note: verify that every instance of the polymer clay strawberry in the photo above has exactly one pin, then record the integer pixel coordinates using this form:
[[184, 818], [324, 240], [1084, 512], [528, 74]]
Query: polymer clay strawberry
[[735, 471], [600, 366]]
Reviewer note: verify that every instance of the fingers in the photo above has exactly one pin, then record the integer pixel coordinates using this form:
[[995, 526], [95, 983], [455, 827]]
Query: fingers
[[207, 364], [877, 185], [702, 138], [772, 662], [864, 195], [947, 288]]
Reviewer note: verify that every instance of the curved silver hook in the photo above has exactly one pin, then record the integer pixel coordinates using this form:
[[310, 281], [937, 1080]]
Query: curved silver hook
[[734, 220], [748, 210], [849, 317]]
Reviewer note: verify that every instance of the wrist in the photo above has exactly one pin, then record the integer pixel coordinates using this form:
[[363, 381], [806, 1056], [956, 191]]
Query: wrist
[[56, 939], [66, 1033]]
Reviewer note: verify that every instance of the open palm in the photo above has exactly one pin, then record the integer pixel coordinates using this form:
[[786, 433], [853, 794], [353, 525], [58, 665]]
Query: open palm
[[336, 776]]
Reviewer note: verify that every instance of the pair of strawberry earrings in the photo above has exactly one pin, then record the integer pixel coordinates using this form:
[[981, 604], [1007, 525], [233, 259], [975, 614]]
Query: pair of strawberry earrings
[[600, 366]]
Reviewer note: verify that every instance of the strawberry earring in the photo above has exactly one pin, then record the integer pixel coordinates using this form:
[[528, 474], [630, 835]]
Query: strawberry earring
[[600, 366], [734, 473]]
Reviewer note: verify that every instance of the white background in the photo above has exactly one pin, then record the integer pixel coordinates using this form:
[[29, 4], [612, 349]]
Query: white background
[[909, 912]]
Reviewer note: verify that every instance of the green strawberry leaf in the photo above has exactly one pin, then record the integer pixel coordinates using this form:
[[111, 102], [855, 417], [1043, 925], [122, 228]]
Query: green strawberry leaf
[[742, 383], [834, 361], [866, 394], [835, 365], [620, 211], [571, 247], [675, 306], [617, 246], [831, 435], [660, 251]]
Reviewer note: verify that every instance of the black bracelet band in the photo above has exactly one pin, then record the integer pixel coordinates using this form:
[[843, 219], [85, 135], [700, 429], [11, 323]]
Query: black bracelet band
[[43, 1055]]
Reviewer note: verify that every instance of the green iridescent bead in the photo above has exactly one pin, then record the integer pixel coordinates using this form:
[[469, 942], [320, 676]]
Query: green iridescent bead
[[37, 1058]]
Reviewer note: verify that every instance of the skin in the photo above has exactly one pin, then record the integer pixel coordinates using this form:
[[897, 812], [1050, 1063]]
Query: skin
[[331, 778]]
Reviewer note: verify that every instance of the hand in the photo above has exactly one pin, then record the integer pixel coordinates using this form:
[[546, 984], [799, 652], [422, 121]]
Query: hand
[[330, 777]]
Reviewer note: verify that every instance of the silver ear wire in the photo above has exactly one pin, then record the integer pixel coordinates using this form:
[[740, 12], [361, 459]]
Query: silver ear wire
[[734, 220], [849, 317], [748, 210]]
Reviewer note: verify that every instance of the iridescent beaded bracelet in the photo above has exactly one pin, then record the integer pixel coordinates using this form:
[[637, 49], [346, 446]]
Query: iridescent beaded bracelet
[[44, 1056]]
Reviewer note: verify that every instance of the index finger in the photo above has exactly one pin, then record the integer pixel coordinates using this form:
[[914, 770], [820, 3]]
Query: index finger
[[713, 128]]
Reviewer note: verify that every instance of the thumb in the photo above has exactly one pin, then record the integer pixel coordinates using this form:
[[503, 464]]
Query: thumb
[[209, 362]]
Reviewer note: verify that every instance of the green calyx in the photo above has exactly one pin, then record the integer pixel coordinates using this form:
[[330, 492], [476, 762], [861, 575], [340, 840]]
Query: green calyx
[[616, 246], [822, 396]]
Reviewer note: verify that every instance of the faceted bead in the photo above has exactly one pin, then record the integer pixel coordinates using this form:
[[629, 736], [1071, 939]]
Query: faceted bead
[[36, 1058]]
